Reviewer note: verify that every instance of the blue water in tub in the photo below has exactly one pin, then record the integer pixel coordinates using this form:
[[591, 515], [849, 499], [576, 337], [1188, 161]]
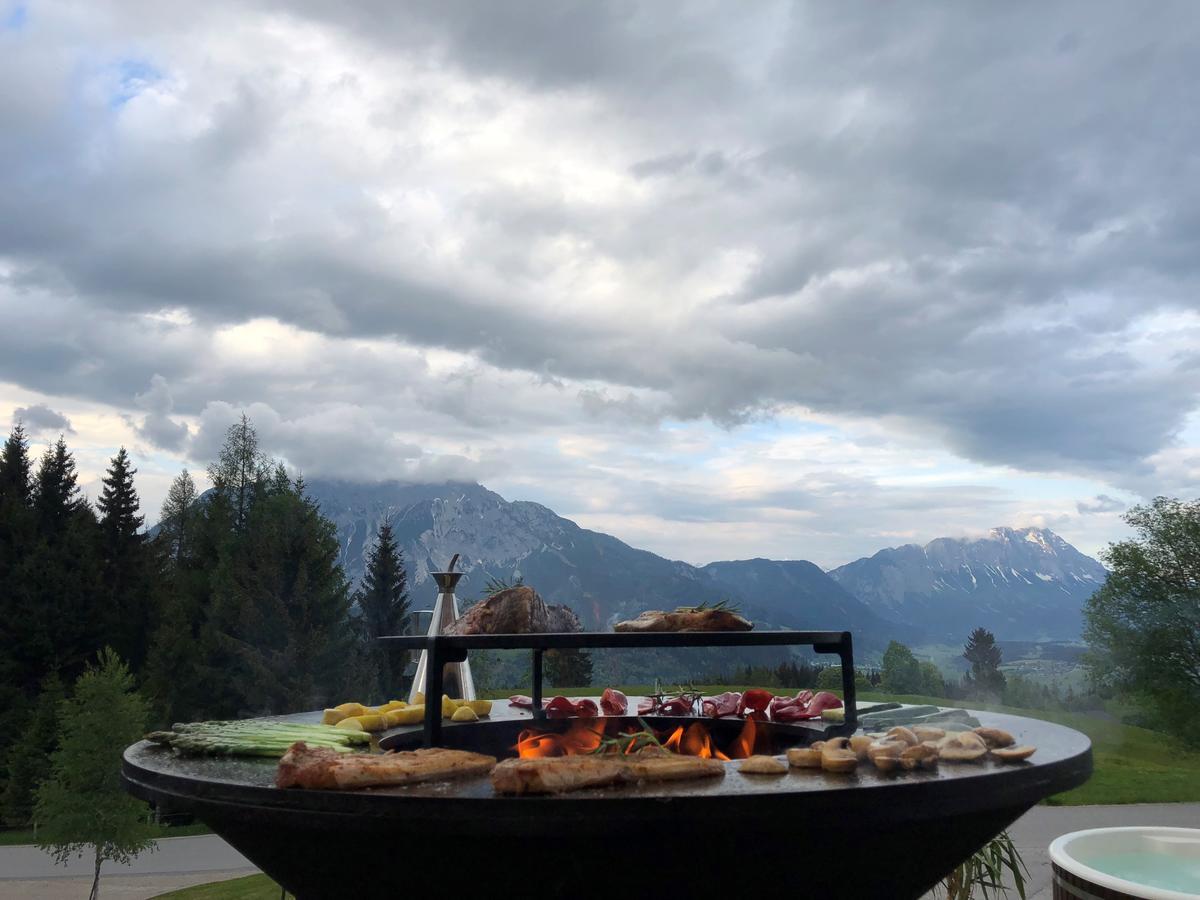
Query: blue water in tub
[[1160, 870]]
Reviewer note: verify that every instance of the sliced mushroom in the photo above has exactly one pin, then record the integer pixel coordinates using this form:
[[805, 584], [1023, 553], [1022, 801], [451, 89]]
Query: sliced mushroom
[[804, 757], [837, 743], [762, 765], [860, 744], [962, 747], [1013, 754], [887, 763], [836, 760], [924, 756], [970, 739], [900, 733], [885, 750], [928, 733], [995, 737]]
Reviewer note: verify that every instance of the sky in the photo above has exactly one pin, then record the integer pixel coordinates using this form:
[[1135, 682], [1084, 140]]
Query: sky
[[724, 280]]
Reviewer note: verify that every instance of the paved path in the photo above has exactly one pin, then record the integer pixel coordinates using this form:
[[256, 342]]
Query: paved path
[[1034, 831], [26, 872]]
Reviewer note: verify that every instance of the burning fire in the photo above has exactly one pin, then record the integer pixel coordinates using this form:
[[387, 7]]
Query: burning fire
[[583, 736], [587, 735]]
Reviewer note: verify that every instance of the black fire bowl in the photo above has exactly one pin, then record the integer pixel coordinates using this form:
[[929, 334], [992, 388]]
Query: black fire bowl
[[867, 835]]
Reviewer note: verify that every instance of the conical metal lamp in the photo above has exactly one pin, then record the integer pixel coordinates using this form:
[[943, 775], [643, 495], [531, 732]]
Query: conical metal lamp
[[457, 681]]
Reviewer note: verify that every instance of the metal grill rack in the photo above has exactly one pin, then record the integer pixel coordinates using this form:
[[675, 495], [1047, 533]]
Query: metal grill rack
[[451, 648]]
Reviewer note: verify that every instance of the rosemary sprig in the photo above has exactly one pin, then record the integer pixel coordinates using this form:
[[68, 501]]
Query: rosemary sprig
[[723, 605]]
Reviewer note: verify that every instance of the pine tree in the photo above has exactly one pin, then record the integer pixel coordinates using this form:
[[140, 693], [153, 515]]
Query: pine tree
[[56, 494], [15, 468], [571, 667], [119, 505], [184, 668], [59, 629], [82, 805], [985, 677], [281, 609], [177, 517], [901, 671], [21, 637], [130, 582], [240, 470], [383, 603], [29, 755]]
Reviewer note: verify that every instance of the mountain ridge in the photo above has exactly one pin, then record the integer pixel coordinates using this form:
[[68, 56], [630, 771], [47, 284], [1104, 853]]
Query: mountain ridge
[[1021, 583], [604, 579]]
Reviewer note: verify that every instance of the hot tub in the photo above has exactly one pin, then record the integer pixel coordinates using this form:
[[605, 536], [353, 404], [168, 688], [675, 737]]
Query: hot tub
[[1148, 863]]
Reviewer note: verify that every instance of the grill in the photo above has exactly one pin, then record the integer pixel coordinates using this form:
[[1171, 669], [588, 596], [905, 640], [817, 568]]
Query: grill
[[864, 835]]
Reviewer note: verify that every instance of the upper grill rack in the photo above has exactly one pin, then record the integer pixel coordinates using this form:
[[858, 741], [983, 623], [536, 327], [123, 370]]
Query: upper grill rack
[[449, 648]]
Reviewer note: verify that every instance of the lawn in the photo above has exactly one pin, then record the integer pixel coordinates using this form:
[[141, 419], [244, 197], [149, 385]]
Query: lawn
[[252, 887], [1132, 764]]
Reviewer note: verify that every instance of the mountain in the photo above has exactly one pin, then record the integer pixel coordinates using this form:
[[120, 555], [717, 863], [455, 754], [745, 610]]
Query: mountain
[[801, 594], [603, 579], [1021, 584]]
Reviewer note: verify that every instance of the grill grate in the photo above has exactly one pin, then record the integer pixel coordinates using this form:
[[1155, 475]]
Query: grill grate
[[452, 648]]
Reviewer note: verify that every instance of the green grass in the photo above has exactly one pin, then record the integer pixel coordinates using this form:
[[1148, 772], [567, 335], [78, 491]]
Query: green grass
[[251, 887], [1131, 764]]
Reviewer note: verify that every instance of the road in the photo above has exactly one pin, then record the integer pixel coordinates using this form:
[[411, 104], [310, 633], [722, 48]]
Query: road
[[28, 873]]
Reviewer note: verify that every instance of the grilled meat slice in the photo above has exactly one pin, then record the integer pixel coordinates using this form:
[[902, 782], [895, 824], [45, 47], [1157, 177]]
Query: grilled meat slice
[[669, 767], [556, 774], [685, 619], [560, 774], [316, 767]]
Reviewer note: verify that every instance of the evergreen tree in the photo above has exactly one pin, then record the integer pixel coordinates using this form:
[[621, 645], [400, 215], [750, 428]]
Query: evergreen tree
[[571, 667], [184, 664], [59, 628], [56, 494], [985, 677], [901, 671], [282, 611], [29, 755], [15, 468], [177, 517], [130, 582], [82, 805], [240, 471], [18, 647], [932, 682], [383, 605]]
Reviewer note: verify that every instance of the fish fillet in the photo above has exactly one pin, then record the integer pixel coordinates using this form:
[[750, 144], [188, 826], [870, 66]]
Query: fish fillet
[[317, 767], [560, 774]]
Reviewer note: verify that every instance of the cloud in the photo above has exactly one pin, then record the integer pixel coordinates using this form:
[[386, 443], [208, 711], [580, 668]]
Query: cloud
[[1101, 503], [41, 418], [157, 426], [431, 235]]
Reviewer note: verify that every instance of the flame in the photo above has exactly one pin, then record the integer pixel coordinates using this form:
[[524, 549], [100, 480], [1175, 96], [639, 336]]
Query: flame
[[743, 746], [583, 736]]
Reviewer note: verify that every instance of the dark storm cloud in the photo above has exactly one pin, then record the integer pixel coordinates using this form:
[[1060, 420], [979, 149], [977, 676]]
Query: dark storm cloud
[[41, 418], [960, 218], [1101, 503], [157, 426]]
